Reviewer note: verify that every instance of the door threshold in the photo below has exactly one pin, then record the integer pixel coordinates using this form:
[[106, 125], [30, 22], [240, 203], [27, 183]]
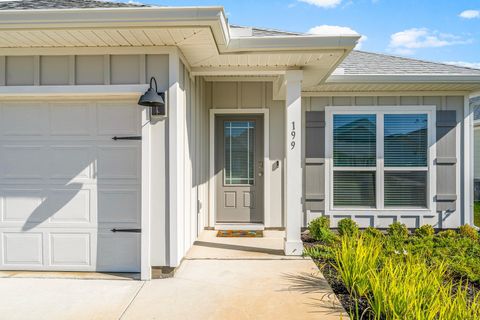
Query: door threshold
[[239, 226]]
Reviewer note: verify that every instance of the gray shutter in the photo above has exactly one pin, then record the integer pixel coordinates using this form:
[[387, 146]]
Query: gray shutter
[[315, 161], [446, 160]]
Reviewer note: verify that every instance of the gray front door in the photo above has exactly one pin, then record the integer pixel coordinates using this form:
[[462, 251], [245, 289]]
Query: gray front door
[[239, 168]]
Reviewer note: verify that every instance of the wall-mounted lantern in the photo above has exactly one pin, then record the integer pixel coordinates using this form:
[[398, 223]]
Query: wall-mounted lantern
[[154, 100]]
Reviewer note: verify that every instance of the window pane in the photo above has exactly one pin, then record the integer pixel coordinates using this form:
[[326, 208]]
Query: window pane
[[406, 189], [406, 140], [354, 189], [239, 152], [354, 140]]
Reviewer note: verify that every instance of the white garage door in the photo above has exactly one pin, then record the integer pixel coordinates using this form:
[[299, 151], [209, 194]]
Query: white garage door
[[65, 184]]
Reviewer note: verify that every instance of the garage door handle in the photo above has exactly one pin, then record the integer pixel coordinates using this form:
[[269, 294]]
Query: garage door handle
[[127, 138], [127, 230]]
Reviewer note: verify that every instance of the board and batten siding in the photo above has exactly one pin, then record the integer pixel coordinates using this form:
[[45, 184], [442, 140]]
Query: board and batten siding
[[448, 165], [257, 95], [58, 70]]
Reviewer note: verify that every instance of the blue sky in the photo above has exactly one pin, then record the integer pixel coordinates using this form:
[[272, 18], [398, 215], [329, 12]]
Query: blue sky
[[436, 30]]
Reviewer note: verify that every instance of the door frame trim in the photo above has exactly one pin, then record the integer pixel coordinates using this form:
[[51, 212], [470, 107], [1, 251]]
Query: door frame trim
[[266, 161]]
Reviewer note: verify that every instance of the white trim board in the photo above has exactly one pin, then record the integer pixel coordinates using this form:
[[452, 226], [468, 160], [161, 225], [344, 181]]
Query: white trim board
[[431, 183], [266, 159]]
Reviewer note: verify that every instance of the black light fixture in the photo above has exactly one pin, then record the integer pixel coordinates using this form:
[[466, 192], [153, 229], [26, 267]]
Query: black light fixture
[[154, 99]]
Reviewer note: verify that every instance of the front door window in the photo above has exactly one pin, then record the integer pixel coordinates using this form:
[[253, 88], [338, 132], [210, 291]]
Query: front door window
[[239, 148]]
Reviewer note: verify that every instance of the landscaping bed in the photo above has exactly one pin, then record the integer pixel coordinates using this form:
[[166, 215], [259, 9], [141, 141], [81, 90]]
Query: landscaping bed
[[399, 274]]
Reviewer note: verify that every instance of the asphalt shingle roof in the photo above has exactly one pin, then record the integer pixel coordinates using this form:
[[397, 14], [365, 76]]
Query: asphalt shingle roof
[[64, 4], [361, 62]]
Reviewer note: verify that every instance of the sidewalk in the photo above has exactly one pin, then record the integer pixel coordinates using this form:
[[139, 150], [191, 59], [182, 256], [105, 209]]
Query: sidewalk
[[221, 278]]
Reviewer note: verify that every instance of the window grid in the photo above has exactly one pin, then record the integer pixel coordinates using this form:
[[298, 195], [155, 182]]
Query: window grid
[[230, 126], [380, 167]]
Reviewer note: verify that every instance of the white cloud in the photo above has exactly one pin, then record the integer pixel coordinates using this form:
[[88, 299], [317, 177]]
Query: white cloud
[[407, 41], [475, 65], [470, 14], [323, 3], [336, 31]]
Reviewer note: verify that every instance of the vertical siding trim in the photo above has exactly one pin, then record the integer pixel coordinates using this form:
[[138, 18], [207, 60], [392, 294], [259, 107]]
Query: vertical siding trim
[[36, 70], [71, 70], [468, 163], [106, 70], [2, 71], [239, 95], [142, 65]]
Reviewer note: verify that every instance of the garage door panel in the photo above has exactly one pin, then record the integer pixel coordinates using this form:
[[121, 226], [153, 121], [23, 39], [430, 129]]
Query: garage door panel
[[22, 205], [118, 252], [23, 161], [72, 119], [22, 248], [68, 205], [118, 206], [24, 119], [70, 249], [118, 162], [117, 119], [80, 159], [64, 184]]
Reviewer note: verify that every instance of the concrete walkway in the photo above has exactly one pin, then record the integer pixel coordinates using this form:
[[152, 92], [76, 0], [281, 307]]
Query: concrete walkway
[[219, 279]]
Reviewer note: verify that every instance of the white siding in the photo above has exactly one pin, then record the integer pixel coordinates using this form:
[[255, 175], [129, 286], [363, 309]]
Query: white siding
[[82, 69]]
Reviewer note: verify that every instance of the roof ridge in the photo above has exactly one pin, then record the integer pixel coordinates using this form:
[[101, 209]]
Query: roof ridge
[[419, 60]]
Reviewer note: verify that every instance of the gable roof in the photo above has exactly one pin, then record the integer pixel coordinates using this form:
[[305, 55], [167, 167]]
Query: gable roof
[[266, 32], [64, 4], [369, 63]]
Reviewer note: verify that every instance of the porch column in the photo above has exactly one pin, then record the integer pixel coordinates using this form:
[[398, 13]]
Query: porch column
[[293, 157]]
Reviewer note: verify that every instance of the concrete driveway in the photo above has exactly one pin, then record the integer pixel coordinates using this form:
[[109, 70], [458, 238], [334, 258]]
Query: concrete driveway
[[219, 279]]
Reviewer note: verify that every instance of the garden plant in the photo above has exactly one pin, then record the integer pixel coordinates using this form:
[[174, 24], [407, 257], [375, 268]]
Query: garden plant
[[398, 274]]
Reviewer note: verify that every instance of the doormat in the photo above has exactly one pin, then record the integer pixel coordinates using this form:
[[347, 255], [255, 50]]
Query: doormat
[[240, 233]]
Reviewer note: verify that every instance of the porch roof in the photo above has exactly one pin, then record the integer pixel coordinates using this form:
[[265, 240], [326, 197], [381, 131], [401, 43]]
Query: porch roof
[[208, 43]]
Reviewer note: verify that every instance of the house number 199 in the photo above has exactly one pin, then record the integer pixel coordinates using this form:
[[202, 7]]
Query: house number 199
[[292, 133]]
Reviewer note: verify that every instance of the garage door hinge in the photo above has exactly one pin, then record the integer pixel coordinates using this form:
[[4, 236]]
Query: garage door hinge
[[127, 138], [127, 230]]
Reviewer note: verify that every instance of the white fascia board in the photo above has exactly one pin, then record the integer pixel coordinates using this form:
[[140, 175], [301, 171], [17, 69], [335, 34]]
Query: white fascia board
[[84, 90], [307, 42], [109, 17], [212, 17], [412, 78]]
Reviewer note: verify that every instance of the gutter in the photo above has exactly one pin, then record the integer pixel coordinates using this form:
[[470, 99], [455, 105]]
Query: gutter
[[155, 17]]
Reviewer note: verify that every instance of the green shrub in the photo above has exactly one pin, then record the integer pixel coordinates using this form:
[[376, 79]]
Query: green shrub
[[319, 252], [373, 232], [398, 230], [425, 231], [319, 230], [468, 232], [448, 234], [347, 227]]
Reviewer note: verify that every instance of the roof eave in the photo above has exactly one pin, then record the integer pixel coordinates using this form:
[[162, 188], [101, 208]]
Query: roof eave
[[410, 78], [213, 17]]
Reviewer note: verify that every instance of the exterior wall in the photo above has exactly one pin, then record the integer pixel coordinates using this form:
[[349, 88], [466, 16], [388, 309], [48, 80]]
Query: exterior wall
[[257, 95], [441, 219], [190, 218], [82, 69]]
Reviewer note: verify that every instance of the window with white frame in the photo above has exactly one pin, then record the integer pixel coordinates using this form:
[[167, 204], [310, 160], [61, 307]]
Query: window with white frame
[[380, 159]]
